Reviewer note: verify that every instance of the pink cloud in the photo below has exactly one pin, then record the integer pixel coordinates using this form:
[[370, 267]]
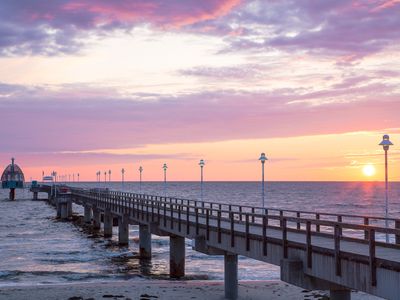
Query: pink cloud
[[58, 123]]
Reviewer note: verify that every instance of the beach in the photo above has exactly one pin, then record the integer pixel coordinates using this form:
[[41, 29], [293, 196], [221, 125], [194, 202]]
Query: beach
[[162, 289]]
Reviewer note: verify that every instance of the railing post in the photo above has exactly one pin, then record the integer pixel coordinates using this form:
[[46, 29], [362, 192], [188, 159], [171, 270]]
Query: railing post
[[397, 226], [372, 257], [298, 226], [179, 218], [284, 238], [231, 217], [165, 214], [171, 207], [280, 218], [187, 219], [317, 227], [366, 231], [339, 219], [264, 233], [207, 224], [197, 220], [338, 266], [247, 233], [219, 226], [308, 245]]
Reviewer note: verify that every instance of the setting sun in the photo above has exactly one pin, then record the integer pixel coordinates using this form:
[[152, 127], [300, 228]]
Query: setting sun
[[368, 170]]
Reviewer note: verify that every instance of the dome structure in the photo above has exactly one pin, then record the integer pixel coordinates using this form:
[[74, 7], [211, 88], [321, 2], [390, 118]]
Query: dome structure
[[12, 176]]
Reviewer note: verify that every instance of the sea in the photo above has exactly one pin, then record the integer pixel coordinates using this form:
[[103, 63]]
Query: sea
[[37, 249]]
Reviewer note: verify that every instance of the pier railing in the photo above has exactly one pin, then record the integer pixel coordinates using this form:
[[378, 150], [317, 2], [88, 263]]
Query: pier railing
[[348, 226]]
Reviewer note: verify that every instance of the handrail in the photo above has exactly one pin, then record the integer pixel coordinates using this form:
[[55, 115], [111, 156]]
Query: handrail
[[254, 216]]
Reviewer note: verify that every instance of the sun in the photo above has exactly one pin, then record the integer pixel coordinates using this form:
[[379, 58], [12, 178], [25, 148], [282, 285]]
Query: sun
[[369, 170]]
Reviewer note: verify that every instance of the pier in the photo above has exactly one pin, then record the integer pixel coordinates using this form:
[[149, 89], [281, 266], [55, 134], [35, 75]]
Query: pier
[[325, 251]]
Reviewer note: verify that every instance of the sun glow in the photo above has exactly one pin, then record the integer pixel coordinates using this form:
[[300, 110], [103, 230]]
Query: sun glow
[[368, 170]]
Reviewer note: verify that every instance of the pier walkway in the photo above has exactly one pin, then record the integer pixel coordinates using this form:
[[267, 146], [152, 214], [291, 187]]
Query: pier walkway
[[335, 252]]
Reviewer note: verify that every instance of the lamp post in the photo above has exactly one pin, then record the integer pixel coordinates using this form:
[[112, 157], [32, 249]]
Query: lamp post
[[386, 143], [201, 164], [109, 175], [73, 177], [78, 177], [140, 179], [165, 167], [263, 158], [123, 172]]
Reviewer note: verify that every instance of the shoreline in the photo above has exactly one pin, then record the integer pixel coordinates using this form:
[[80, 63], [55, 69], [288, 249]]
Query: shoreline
[[165, 289]]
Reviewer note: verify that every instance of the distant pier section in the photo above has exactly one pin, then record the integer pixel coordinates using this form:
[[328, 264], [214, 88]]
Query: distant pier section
[[12, 178]]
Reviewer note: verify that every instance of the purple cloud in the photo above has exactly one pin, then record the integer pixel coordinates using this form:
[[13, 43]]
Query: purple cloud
[[59, 26], [72, 123]]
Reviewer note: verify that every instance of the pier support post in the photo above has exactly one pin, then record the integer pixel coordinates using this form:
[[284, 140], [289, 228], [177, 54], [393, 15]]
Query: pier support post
[[344, 294], [123, 230], [231, 276], [176, 256], [144, 241], [12, 194], [58, 208], [87, 214], [64, 210], [96, 219], [108, 223], [69, 208]]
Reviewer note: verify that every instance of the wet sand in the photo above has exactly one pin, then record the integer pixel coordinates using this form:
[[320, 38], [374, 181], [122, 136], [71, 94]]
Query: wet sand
[[153, 290]]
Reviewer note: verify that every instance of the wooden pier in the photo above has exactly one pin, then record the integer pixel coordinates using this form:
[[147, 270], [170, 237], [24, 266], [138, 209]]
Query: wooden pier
[[335, 252]]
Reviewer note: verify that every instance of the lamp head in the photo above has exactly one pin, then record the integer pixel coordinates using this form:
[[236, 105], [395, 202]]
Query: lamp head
[[140, 169], [165, 167], [386, 143], [202, 163], [263, 158]]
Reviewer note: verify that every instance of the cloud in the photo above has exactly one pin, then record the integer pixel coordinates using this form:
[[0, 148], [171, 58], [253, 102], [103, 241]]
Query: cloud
[[347, 29], [63, 26], [43, 121]]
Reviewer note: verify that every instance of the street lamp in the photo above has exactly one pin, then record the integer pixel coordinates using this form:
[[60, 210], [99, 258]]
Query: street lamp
[[109, 175], [105, 177], [123, 172], [165, 167], [140, 179], [386, 143], [263, 158], [201, 164], [78, 177]]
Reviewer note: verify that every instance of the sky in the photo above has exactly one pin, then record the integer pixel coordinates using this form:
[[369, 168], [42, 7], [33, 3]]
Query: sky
[[98, 85]]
